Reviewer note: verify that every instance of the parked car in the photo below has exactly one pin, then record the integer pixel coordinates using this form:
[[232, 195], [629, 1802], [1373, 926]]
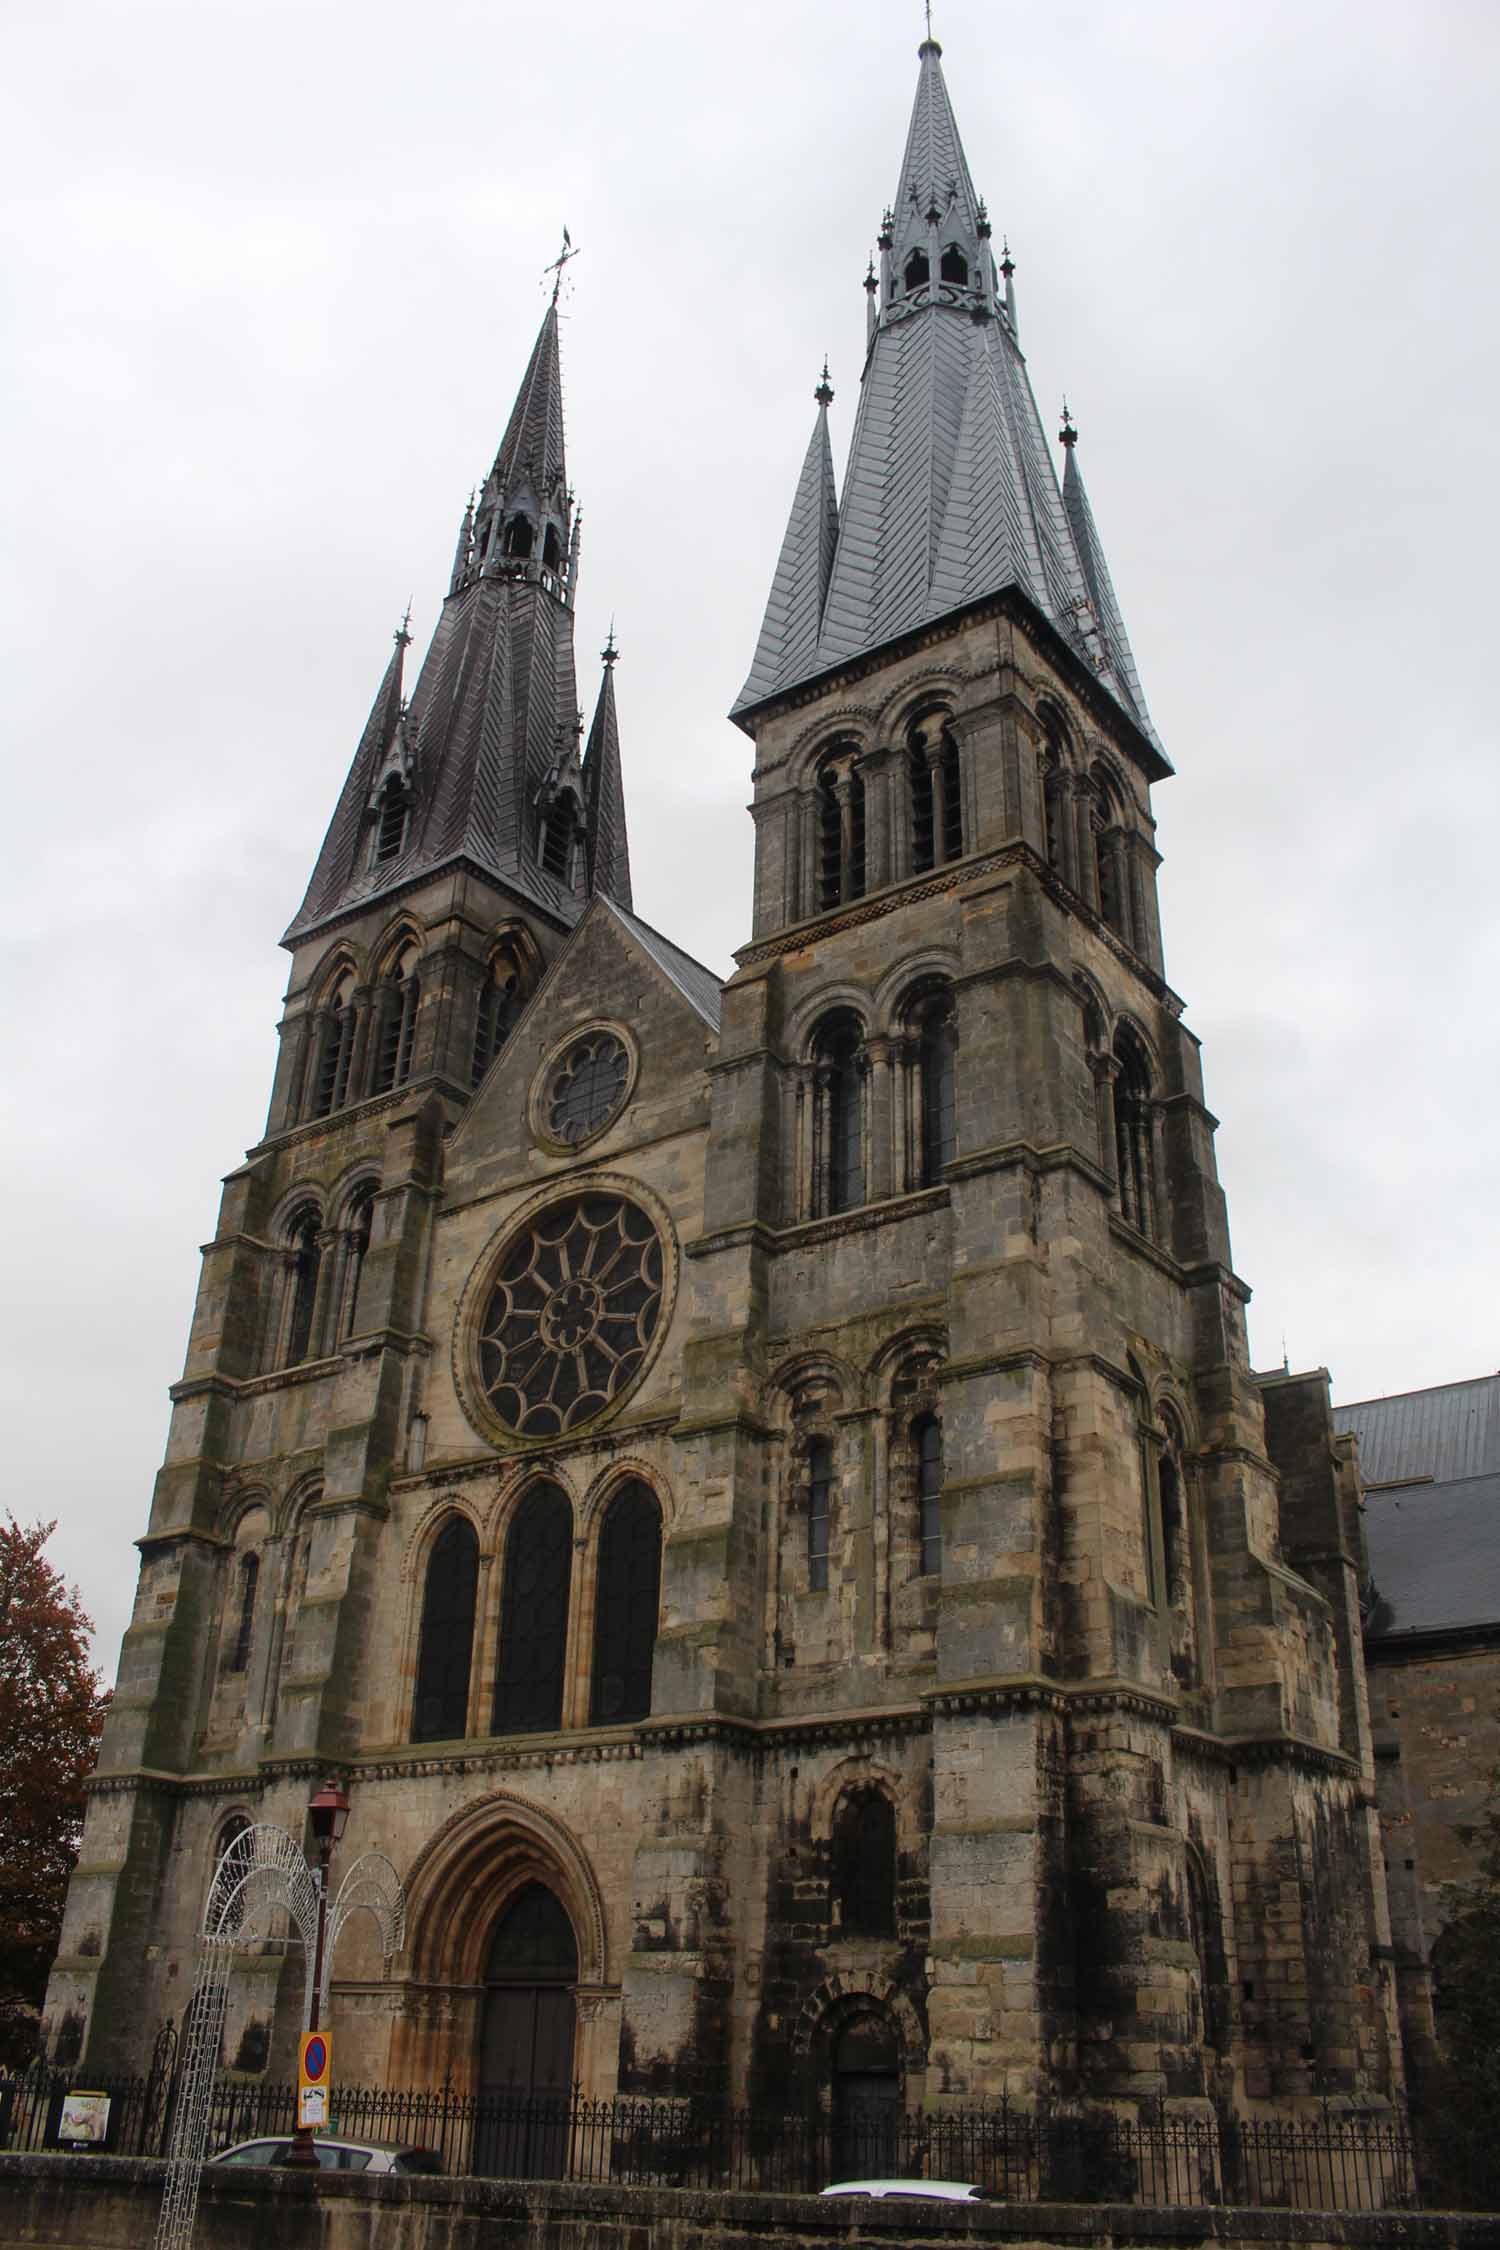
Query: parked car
[[940, 2191], [336, 2156]]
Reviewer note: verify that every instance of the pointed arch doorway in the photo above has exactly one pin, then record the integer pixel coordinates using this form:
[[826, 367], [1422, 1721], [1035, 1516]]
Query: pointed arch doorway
[[867, 2103], [526, 2040]]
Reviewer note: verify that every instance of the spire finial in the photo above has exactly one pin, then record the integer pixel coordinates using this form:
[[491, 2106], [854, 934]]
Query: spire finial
[[929, 45], [1007, 262], [559, 262], [402, 634], [1067, 435], [824, 392], [609, 653]]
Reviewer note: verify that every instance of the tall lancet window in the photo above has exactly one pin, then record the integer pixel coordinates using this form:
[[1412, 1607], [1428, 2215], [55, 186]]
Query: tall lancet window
[[305, 1263], [629, 1597], [392, 811], [499, 1005], [840, 828], [559, 836], [335, 1051], [396, 1001], [534, 1613], [440, 1711], [937, 821], [839, 1113], [1135, 1159]]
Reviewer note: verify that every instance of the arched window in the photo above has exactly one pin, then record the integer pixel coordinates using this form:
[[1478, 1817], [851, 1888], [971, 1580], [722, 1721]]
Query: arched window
[[954, 266], [361, 1226], [1106, 828], [1178, 1568], [335, 1048], [864, 1865], [534, 1614], [551, 549], [927, 1446], [495, 1016], [819, 1511], [391, 810], [839, 1079], [917, 271], [440, 1709], [626, 1606], [519, 535], [937, 1061], [305, 1259], [247, 1579], [937, 827], [841, 829], [1135, 1168], [396, 1001]]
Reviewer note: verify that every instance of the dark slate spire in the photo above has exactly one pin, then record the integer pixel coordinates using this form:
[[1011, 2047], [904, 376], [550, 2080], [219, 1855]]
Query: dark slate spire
[[788, 648], [950, 495], [604, 793], [490, 741]]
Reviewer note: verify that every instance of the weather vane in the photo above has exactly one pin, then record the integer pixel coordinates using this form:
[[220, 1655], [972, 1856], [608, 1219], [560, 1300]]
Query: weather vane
[[559, 262]]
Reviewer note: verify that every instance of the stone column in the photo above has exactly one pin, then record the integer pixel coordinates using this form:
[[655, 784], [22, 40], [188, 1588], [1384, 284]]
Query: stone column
[[881, 1179]]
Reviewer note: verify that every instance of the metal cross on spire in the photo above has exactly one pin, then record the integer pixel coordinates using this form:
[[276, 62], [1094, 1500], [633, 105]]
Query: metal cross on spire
[[559, 262]]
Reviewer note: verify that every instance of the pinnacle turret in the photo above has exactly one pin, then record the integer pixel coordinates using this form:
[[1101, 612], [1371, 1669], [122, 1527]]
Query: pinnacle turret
[[604, 792], [950, 495]]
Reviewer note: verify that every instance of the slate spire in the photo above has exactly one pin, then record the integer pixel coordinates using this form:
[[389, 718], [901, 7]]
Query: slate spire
[[788, 646], [604, 793], [489, 742], [950, 494]]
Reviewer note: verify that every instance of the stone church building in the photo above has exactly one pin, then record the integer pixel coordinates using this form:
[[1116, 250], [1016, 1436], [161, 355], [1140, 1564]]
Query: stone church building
[[758, 1490]]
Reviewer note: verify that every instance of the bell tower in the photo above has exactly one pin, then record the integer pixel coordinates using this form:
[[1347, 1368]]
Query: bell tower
[[1008, 1493]]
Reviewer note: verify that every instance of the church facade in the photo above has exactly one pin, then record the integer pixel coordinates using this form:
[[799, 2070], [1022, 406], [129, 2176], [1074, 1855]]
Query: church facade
[[758, 1490]]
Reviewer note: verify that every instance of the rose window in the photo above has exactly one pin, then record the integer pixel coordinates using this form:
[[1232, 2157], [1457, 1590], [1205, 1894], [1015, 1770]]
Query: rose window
[[571, 1314], [587, 1087]]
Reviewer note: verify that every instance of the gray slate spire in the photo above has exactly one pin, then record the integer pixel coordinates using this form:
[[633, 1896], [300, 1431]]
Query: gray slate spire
[[490, 740], [604, 794], [1095, 569], [950, 494], [788, 646]]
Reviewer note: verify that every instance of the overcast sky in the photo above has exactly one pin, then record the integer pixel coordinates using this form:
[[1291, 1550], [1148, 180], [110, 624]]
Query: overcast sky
[[272, 272]]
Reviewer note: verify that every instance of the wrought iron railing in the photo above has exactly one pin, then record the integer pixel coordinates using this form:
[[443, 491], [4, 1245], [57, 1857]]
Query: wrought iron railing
[[1318, 2163]]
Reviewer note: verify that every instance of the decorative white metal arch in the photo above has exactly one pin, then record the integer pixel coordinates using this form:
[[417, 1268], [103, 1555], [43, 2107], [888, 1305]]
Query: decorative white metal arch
[[262, 1873]]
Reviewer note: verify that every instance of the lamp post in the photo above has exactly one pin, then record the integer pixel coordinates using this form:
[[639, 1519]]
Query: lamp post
[[329, 1814]]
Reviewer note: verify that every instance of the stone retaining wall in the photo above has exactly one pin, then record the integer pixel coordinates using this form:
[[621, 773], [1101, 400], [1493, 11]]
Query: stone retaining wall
[[111, 2203]]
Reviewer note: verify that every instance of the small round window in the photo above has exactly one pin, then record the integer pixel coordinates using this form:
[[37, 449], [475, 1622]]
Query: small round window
[[586, 1088]]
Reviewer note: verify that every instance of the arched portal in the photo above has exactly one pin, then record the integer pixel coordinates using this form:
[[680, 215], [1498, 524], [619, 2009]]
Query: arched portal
[[526, 2039], [866, 2098]]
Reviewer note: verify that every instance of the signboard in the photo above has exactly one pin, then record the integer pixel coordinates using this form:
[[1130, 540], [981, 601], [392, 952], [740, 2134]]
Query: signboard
[[84, 2120], [312, 2080]]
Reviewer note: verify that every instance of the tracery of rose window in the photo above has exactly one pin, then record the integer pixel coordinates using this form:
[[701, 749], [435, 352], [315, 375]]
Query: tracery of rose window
[[571, 1314], [587, 1087]]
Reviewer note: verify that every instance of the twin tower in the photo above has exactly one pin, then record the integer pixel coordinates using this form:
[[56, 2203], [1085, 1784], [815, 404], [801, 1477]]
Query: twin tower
[[757, 1488]]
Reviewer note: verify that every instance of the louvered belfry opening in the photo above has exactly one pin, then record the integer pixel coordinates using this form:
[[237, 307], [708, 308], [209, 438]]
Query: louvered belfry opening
[[839, 1080], [534, 1614], [626, 1605], [390, 824], [440, 1707], [495, 1016], [306, 1246]]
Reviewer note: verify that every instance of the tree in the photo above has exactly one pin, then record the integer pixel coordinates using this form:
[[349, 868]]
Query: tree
[[1466, 2006], [51, 1714]]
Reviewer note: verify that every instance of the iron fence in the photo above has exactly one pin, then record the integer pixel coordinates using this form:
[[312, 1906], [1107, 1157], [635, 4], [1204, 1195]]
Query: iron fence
[[1320, 2163]]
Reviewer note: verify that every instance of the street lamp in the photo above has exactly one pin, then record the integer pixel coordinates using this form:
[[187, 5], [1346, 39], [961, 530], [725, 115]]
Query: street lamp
[[329, 1815]]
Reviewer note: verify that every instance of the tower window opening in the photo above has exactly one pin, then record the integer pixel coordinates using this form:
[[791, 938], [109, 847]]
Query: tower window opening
[[839, 1064], [954, 266], [864, 1865], [927, 1442], [937, 1049], [917, 272], [361, 1227], [841, 831], [390, 822], [534, 1614], [558, 830], [819, 1505], [1134, 1149], [306, 1255], [552, 549], [921, 809], [499, 1006], [239, 1654], [335, 1050], [397, 1018], [519, 536], [952, 822], [629, 1598], [1052, 810]]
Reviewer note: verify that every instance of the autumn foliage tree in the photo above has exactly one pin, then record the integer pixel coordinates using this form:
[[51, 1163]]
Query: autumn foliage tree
[[51, 1712]]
